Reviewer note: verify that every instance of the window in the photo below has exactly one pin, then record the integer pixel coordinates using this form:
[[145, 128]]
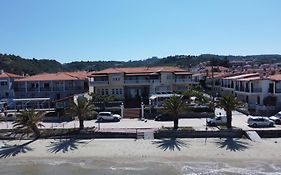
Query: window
[[258, 100], [120, 91], [4, 83], [115, 79], [106, 91], [46, 85], [98, 91], [169, 77], [116, 91], [102, 91], [112, 91]]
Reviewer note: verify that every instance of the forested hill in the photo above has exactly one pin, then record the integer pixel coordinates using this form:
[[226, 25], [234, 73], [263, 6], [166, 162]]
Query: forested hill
[[19, 65]]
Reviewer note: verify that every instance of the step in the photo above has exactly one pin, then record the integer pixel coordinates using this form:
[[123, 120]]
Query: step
[[254, 136]]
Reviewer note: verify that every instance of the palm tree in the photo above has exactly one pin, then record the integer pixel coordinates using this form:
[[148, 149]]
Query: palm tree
[[81, 107], [228, 103], [175, 106], [29, 121]]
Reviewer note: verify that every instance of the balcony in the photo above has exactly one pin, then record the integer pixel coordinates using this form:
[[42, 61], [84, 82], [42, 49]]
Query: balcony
[[20, 89], [254, 90], [185, 80], [74, 88], [58, 88], [32, 89], [45, 89], [99, 82], [141, 81]]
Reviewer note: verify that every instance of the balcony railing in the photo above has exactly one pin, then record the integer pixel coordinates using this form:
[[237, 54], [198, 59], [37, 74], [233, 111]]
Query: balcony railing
[[45, 89], [141, 81], [182, 80], [19, 89], [58, 88], [74, 88], [99, 82], [32, 89], [256, 90]]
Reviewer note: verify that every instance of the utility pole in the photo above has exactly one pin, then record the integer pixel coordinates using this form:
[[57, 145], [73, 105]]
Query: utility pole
[[213, 83]]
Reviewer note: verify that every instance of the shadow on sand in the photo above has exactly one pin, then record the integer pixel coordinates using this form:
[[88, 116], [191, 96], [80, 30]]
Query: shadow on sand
[[64, 145], [170, 144], [13, 150], [232, 144]]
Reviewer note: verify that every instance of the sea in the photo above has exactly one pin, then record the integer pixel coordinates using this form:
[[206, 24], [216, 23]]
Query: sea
[[135, 167]]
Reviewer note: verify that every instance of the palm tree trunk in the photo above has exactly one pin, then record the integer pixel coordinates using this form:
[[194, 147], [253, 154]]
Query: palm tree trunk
[[35, 131], [81, 124], [228, 119], [176, 122]]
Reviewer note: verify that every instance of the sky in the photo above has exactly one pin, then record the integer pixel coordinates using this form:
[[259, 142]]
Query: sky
[[90, 30]]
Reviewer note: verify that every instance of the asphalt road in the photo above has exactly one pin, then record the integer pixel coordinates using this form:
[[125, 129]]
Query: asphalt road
[[239, 121]]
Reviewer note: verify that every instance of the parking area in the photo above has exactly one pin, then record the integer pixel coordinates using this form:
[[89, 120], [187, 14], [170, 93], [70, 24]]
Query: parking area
[[239, 121]]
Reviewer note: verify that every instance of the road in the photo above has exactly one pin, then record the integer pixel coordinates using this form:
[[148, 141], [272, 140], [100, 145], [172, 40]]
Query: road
[[239, 120]]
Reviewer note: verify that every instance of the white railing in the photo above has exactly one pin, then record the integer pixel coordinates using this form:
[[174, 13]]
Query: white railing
[[141, 81]]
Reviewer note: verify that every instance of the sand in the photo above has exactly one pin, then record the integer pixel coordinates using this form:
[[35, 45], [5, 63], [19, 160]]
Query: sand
[[172, 149]]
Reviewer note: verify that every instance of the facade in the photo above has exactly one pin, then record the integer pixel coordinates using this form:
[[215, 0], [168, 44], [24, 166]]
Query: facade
[[137, 84], [54, 86], [260, 94], [7, 84]]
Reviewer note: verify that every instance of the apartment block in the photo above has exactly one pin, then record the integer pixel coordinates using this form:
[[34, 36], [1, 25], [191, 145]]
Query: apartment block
[[51, 85]]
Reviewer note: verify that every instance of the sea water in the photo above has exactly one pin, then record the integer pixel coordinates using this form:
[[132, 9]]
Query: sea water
[[138, 167]]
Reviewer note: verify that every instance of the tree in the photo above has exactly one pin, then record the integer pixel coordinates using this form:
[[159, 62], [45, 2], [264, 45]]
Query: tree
[[102, 99], [29, 121], [81, 107], [228, 103], [174, 106]]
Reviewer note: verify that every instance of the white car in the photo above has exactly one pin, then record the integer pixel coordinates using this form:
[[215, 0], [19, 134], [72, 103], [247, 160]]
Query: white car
[[108, 116], [217, 120], [276, 118], [260, 121]]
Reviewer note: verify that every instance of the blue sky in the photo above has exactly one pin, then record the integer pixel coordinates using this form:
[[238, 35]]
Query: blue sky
[[68, 30]]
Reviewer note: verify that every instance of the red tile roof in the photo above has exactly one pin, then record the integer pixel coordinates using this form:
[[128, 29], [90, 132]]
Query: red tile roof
[[250, 78], [56, 76], [276, 77], [242, 76], [9, 75], [139, 70]]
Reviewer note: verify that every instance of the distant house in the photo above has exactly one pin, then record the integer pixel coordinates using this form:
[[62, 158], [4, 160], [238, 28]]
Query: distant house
[[137, 84], [7, 84], [52, 85]]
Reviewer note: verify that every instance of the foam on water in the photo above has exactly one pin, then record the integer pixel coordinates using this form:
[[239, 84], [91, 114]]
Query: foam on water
[[247, 168], [141, 167]]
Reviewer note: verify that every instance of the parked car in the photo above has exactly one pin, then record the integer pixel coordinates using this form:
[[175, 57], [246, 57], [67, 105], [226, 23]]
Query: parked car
[[164, 117], [260, 122], [217, 120], [108, 116], [276, 118]]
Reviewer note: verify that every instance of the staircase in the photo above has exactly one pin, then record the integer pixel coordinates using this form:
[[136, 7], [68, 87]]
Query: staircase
[[132, 112]]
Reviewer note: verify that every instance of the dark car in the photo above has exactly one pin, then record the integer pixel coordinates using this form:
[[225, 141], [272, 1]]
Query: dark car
[[163, 117]]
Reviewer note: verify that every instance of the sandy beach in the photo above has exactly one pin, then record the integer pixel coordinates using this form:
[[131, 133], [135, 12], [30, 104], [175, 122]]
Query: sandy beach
[[128, 156], [210, 149]]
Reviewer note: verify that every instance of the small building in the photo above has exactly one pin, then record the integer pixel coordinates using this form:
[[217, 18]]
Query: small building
[[7, 84]]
